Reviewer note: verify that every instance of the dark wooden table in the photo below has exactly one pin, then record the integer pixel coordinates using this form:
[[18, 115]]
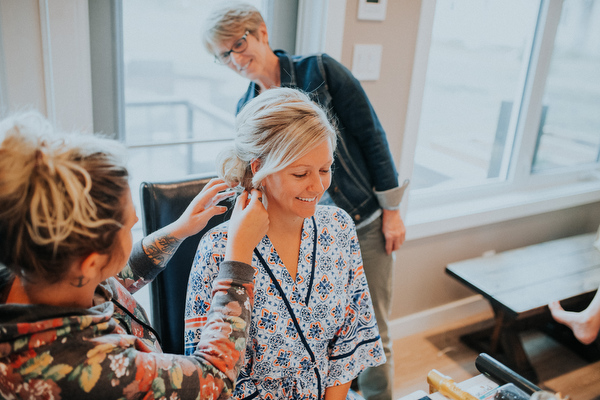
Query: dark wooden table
[[520, 283]]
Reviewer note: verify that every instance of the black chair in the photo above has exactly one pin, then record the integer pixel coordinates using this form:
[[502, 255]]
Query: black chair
[[162, 203]]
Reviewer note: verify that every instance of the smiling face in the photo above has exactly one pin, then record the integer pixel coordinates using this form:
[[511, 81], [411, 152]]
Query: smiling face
[[252, 62], [293, 192]]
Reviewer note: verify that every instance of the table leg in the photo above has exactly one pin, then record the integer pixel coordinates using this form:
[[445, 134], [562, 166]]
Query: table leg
[[512, 347], [495, 338], [503, 342]]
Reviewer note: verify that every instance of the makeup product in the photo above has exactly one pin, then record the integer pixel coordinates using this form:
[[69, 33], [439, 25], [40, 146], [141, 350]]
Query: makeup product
[[500, 372], [446, 386]]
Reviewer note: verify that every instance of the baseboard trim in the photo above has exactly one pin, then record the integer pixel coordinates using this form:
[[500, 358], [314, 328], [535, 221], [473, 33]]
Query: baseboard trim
[[439, 316]]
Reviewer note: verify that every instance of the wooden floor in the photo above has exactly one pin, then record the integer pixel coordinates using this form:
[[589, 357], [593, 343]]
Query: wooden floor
[[558, 368]]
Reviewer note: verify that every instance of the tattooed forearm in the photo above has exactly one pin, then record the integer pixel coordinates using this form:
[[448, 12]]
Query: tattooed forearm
[[160, 248]]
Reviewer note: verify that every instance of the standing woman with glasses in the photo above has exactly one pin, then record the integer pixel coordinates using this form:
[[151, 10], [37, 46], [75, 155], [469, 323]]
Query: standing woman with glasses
[[313, 328], [69, 326], [364, 182]]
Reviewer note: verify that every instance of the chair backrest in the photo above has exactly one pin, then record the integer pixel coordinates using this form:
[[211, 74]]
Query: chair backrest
[[162, 203]]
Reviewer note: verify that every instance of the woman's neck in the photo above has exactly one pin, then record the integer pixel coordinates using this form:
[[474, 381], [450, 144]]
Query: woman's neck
[[285, 234], [271, 76], [60, 294], [284, 225]]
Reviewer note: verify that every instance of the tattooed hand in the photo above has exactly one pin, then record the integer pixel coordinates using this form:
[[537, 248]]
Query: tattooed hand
[[201, 209], [160, 245]]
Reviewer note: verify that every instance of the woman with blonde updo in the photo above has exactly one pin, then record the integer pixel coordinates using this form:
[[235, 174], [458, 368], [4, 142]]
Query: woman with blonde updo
[[313, 329], [364, 180], [70, 328]]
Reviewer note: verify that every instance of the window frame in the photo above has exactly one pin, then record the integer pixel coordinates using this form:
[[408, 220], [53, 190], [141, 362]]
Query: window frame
[[3, 85], [433, 211], [106, 55]]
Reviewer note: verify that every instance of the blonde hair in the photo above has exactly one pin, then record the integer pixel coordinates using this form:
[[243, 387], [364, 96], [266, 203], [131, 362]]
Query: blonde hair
[[229, 22], [61, 196], [276, 128]]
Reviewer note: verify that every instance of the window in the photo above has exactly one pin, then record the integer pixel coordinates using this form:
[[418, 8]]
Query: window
[[570, 123], [179, 105], [506, 113], [473, 84], [157, 89]]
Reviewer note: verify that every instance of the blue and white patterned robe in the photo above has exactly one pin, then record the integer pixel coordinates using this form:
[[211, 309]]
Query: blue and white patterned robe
[[307, 335]]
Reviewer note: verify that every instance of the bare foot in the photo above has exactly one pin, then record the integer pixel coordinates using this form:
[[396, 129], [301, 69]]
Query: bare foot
[[585, 327]]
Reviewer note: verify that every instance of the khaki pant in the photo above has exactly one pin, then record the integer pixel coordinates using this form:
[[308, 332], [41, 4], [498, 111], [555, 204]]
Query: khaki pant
[[376, 383]]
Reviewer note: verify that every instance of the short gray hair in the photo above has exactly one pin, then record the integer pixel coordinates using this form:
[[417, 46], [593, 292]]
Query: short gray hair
[[230, 21]]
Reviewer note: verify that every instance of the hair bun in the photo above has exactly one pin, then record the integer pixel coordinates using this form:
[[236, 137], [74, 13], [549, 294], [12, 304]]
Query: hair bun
[[60, 196]]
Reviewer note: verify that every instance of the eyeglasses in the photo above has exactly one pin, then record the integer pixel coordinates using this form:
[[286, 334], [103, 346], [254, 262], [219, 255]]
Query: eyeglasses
[[238, 47]]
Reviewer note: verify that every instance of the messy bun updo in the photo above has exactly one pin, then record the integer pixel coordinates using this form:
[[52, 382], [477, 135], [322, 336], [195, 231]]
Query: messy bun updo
[[276, 128], [61, 197]]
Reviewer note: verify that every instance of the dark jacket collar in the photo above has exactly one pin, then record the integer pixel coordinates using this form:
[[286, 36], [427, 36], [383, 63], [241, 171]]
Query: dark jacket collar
[[287, 70]]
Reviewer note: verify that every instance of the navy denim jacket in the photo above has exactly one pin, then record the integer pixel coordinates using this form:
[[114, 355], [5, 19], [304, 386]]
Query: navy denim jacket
[[364, 175]]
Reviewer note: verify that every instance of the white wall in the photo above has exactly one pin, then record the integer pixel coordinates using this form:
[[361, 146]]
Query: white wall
[[22, 59], [46, 59]]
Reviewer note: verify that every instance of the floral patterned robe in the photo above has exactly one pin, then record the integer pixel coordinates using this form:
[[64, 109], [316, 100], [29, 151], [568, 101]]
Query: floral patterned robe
[[49, 352], [307, 334]]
